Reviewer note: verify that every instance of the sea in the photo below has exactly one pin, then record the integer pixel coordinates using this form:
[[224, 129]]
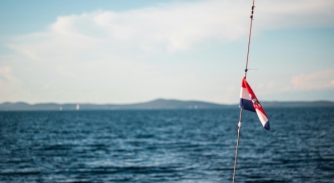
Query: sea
[[167, 146]]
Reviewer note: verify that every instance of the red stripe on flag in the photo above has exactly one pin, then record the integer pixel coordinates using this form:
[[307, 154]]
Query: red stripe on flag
[[256, 103]]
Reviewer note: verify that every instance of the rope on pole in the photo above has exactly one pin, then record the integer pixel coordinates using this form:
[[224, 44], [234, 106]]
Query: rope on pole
[[240, 117], [249, 38]]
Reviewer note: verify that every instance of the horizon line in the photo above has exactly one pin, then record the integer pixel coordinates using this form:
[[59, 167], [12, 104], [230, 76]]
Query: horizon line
[[131, 103]]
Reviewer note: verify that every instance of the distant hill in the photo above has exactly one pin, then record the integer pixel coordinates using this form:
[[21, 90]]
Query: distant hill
[[151, 105], [299, 104]]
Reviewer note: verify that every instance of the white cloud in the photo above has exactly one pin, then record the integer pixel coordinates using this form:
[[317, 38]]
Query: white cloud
[[107, 50], [6, 76], [173, 27], [295, 14], [317, 80], [9, 84]]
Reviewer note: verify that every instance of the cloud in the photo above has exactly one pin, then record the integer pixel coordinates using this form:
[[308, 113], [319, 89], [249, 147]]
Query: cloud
[[112, 51], [8, 82], [173, 27], [6, 75], [322, 79], [285, 14]]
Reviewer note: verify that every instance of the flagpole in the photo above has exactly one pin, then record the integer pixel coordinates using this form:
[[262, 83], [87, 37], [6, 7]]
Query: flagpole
[[240, 116]]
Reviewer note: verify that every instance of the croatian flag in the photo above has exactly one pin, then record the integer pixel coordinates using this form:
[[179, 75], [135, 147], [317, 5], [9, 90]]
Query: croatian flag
[[248, 101]]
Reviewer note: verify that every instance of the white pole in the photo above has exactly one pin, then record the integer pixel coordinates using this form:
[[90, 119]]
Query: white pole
[[240, 117]]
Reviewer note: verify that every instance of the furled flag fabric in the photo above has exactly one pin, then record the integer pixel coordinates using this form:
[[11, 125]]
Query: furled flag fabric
[[248, 101]]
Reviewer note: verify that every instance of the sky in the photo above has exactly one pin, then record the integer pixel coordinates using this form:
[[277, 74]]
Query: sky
[[108, 51]]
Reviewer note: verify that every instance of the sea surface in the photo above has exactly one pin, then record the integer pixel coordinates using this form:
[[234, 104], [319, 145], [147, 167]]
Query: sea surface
[[166, 146]]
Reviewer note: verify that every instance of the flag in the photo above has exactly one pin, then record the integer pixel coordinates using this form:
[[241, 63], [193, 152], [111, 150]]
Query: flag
[[248, 101]]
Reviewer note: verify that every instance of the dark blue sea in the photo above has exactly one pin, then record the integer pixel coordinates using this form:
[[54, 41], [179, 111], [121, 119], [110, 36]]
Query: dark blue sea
[[166, 146]]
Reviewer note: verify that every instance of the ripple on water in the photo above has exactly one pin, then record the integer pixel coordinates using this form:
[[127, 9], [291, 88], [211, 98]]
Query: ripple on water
[[166, 146]]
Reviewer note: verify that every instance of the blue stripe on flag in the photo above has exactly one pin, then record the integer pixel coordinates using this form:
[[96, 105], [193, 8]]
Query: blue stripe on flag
[[267, 126], [247, 105]]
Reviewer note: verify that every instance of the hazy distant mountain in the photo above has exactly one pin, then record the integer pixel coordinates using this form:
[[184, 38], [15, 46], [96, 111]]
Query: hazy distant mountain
[[299, 104], [155, 104]]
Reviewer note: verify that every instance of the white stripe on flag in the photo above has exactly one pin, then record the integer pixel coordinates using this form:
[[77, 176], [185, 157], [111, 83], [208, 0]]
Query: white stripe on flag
[[262, 117], [244, 94]]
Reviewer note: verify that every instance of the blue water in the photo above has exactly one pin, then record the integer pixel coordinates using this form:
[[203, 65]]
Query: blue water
[[166, 146]]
